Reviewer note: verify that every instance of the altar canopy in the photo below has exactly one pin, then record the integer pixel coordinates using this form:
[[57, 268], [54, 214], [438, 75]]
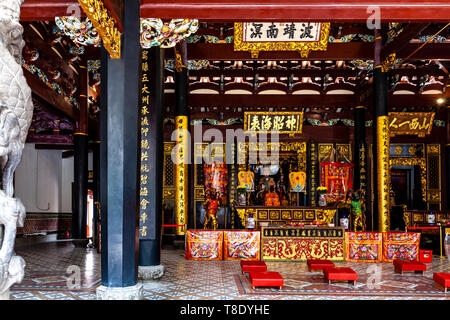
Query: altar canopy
[[363, 246], [400, 245], [337, 178]]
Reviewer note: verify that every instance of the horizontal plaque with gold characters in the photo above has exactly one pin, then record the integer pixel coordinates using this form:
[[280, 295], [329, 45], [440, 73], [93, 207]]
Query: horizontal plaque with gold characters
[[275, 122], [410, 123], [281, 36]]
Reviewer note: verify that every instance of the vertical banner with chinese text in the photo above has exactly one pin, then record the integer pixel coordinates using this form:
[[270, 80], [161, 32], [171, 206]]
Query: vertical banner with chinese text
[[383, 172], [144, 113], [181, 174]]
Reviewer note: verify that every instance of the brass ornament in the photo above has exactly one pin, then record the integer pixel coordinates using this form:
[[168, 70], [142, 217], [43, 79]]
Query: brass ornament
[[389, 62], [179, 63], [302, 47], [104, 23]]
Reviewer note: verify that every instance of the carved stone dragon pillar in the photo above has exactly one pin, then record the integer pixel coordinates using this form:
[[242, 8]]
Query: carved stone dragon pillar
[[16, 111]]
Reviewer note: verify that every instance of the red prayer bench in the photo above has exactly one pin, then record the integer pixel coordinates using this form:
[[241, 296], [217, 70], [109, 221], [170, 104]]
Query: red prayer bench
[[409, 265], [266, 279], [343, 274], [251, 265], [442, 280], [315, 264]]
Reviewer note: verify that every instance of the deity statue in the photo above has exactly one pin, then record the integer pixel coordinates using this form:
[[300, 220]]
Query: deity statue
[[271, 198], [211, 205], [358, 208], [16, 112]]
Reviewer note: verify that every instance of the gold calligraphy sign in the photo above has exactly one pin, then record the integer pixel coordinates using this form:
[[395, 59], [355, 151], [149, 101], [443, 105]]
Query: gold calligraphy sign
[[410, 123], [281, 36], [280, 122]]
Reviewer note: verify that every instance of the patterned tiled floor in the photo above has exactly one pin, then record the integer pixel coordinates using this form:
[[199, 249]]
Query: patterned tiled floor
[[47, 277]]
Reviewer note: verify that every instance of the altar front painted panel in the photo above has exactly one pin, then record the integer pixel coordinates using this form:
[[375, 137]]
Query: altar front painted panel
[[241, 245], [204, 245], [302, 243]]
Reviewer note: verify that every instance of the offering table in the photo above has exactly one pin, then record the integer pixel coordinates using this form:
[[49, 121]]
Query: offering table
[[285, 215], [301, 243]]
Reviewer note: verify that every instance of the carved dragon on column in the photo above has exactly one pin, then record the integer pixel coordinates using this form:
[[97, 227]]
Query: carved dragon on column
[[16, 111]]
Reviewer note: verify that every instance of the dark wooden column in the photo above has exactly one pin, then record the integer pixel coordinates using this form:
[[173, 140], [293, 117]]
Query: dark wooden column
[[96, 189], [119, 163], [80, 139], [447, 161], [181, 123], [152, 91], [381, 174]]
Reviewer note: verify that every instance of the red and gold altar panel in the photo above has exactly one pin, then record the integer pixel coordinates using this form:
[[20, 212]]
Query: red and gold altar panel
[[400, 245], [204, 245], [242, 245], [302, 243], [364, 246]]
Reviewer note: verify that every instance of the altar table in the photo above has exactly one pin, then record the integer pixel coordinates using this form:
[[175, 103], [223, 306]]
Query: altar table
[[302, 243]]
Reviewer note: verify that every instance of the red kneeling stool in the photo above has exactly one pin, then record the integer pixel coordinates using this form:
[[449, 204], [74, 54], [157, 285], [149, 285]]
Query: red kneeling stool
[[409, 265], [343, 274], [314, 264], [249, 266], [266, 279], [442, 279]]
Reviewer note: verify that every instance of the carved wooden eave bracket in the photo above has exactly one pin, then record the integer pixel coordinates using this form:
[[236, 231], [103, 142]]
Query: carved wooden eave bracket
[[105, 23]]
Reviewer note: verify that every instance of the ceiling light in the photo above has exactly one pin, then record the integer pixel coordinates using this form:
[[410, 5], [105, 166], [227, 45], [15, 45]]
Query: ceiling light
[[440, 100]]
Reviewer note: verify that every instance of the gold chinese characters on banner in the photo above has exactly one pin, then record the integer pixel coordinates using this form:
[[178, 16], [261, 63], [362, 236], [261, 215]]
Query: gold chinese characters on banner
[[410, 123], [281, 36], [280, 122], [144, 199]]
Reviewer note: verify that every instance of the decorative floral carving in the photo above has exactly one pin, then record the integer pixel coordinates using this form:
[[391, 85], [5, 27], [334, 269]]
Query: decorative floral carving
[[80, 32], [154, 32]]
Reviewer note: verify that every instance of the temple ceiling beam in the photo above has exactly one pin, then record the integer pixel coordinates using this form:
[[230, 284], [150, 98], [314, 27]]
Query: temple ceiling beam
[[271, 100], [270, 10]]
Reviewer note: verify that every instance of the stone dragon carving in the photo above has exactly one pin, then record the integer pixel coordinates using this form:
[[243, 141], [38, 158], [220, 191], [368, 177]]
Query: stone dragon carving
[[16, 111]]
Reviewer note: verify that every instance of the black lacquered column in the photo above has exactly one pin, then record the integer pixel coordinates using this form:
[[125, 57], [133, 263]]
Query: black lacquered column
[[151, 163], [96, 189], [80, 141], [447, 161], [381, 172], [182, 125], [119, 164]]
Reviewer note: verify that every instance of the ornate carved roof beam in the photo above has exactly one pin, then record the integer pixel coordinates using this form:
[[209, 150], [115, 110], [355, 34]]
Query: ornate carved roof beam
[[313, 10], [44, 46], [344, 101], [56, 100], [37, 10], [411, 31]]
